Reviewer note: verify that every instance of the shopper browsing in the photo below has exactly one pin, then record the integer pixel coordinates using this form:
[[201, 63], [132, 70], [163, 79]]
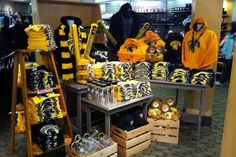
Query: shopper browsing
[[228, 50]]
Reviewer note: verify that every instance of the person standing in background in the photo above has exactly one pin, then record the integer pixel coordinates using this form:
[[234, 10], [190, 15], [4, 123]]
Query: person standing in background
[[124, 24], [227, 50]]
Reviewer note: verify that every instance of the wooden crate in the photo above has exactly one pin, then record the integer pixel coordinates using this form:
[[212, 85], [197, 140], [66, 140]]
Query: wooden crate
[[110, 151], [131, 142], [165, 130]]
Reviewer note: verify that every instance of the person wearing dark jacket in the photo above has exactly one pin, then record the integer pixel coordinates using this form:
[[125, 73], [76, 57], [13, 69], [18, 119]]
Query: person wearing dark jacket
[[124, 24]]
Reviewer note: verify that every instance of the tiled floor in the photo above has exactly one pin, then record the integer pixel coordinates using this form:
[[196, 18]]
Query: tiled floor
[[208, 146]]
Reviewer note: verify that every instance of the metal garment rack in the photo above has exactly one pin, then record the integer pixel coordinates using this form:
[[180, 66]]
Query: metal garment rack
[[181, 86]]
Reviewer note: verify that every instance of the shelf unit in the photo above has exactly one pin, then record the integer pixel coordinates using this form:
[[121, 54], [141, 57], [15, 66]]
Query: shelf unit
[[157, 13], [224, 30], [19, 59]]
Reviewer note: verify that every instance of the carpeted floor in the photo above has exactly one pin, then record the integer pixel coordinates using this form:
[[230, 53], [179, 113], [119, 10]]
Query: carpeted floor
[[208, 146]]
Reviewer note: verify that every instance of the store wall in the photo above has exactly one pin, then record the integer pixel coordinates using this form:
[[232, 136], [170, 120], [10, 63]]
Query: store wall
[[229, 136], [228, 5], [234, 11]]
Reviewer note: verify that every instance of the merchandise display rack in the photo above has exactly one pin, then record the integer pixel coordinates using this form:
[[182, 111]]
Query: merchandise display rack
[[48, 60], [180, 86]]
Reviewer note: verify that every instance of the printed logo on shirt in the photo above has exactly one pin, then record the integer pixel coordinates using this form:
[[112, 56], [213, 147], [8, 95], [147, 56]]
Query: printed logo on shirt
[[131, 48], [175, 45], [192, 44]]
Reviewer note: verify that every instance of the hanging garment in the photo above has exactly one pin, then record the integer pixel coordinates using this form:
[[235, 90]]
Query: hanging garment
[[64, 57], [200, 46], [174, 48]]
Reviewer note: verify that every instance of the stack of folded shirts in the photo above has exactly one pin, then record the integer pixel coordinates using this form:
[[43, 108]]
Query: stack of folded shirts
[[124, 71], [200, 77], [96, 70], [160, 71], [132, 50], [40, 37], [47, 136], [180, 75], [44, 107], [108, 70], [142, 89], [142, 70], [39, 79], [125, 91]]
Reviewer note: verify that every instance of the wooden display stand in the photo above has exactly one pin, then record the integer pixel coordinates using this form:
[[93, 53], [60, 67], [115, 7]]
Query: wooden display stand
[[165, 130], [110, 151], [19, 59], [131, 142]]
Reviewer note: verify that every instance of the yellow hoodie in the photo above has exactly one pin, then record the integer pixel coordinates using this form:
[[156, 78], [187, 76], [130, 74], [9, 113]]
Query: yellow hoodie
[[200, 46]]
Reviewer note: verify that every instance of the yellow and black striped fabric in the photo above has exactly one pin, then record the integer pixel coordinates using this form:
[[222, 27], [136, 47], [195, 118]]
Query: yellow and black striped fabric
[[66, 60]]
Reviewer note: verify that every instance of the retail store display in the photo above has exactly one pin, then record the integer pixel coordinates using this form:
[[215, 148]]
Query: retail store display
[[206, 77], [130, 120], [124, 24], [39, 78], [180, 75], [173, 48], [104, 92], [131, 142], [91, 143], [164, 130], [132, 51], [164, 118], [40, 37], [40, 105], [44, 107], [65, 59], [47, 136], [165, 110], [160, 71], [124, 71], [142, 70], [155, 45], [200, 46]]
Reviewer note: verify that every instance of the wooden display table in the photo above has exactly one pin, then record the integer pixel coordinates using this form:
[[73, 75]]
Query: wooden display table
[[113, 108], [178, 86]]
